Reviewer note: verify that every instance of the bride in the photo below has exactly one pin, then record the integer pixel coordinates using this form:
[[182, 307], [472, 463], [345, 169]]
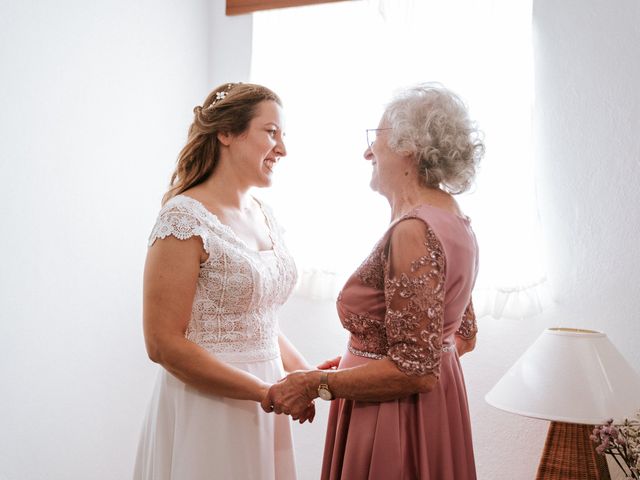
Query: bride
[[216, 273]]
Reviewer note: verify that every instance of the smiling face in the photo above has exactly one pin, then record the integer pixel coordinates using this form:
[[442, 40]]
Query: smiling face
[[254, 153]]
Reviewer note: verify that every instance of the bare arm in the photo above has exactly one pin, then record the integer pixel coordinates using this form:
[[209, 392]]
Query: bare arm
[[376, 381], [292, 359], [170, 278]]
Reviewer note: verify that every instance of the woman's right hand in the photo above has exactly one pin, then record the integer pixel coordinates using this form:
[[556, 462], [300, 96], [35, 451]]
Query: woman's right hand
[[464, 345], [330, 364]]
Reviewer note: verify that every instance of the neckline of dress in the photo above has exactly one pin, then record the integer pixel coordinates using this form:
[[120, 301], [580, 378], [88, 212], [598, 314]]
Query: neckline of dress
[[226, 228]]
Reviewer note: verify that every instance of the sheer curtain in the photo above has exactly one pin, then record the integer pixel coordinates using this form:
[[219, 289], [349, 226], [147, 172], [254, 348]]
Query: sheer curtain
[[336, 65]]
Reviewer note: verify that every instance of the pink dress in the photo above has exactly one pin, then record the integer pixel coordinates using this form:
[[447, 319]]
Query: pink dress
[[407, 301]]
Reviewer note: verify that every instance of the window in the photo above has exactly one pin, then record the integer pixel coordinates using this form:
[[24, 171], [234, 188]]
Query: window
[[336, 65]]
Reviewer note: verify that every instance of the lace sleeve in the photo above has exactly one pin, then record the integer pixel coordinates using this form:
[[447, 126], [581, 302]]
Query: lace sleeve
[[414, 295], [468, 327], [180, 223]]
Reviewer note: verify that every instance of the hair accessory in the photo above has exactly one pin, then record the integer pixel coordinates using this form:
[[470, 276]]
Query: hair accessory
[[220, 95]]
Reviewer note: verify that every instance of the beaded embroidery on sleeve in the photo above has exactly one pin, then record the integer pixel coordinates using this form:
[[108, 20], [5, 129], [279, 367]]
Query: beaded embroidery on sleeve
[[414, 295]]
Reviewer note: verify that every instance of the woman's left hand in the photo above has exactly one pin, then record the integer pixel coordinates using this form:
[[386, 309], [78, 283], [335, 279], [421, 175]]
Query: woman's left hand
[[330, 364]]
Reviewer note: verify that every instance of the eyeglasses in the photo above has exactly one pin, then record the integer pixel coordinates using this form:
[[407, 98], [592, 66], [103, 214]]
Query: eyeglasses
[[372, 133]]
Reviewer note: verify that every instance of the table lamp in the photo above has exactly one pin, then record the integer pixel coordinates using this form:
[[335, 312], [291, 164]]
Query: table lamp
[[575, 378]]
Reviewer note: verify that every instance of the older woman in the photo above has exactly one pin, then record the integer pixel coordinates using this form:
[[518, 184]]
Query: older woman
[[400, 409]]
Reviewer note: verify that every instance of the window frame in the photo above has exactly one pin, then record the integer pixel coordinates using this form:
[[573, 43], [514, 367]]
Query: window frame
[[241, 7]]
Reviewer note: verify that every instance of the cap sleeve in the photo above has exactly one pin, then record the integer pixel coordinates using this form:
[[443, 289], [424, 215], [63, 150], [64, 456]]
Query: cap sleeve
[[181, 222], [414, 296]]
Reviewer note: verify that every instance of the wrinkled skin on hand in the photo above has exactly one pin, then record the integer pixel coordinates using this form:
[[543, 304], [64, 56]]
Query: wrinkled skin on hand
[[293, 395]]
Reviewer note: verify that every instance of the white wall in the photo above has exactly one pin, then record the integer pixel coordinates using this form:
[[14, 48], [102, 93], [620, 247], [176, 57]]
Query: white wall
[[229, 55], [587, 122], [587, 152], [96, 99]]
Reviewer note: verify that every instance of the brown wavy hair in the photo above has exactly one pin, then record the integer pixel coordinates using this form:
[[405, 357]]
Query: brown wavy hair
[[227, 109]]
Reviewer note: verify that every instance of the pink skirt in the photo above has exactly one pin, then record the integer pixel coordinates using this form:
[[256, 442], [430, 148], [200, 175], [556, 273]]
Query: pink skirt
[[424, 436]]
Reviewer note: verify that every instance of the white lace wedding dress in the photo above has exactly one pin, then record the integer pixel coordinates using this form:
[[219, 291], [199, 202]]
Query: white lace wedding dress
[[189, 435]]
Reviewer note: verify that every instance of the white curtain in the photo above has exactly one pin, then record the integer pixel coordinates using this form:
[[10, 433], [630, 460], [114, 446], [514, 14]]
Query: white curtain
[[336, 65]]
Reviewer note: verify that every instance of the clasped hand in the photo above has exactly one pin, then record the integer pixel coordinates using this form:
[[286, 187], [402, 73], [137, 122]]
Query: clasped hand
[[293, 395]]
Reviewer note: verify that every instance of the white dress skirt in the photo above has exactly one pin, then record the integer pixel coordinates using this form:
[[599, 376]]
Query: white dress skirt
[[190, 435]]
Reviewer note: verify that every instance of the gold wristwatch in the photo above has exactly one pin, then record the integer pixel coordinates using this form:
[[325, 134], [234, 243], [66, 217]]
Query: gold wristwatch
[[323, 389]]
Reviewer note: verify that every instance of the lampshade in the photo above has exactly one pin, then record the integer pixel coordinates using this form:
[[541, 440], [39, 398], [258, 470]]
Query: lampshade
[[569, 375]]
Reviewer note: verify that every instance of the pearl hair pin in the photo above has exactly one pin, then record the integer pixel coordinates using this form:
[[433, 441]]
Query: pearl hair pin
[[221, 95]]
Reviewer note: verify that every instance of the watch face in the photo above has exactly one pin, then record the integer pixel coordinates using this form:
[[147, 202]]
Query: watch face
[[325, 394]]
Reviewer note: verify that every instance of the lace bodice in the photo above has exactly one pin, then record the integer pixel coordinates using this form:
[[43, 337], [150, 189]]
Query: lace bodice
[[413, 292], [239, 289]]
